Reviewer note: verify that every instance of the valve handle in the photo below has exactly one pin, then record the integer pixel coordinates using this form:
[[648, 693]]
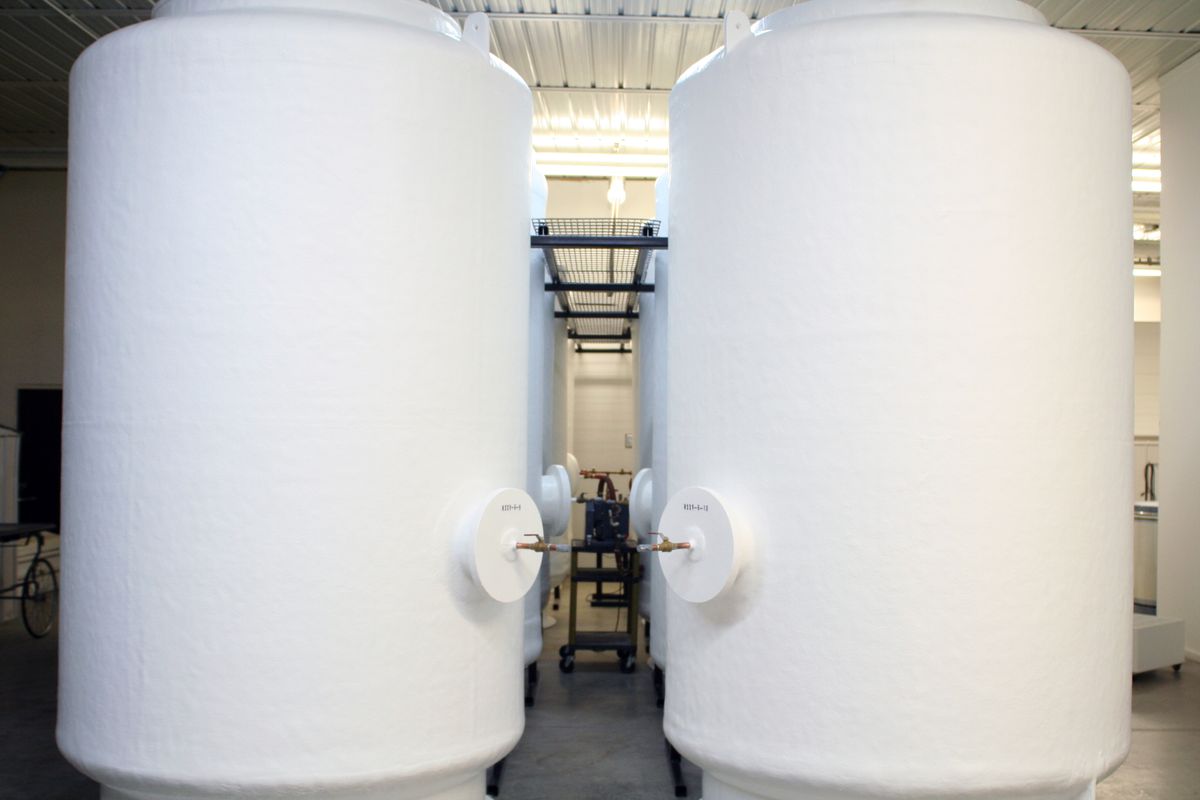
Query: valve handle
[[665, 546], [541, 545]]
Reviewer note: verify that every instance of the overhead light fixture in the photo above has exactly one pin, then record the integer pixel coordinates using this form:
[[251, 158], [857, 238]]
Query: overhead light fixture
[[1147, 159], [616, 190], [1144, 272], [582, 164], [1146, 232], [1147, 180]]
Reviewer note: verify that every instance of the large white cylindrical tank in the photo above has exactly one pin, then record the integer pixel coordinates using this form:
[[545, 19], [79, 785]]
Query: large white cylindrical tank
[[541, 325], [295, 380], [648, 497], [900, 345], [547, 480]]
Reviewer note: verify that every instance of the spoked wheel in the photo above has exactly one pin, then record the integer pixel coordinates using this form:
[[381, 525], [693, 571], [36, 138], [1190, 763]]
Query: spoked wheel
[[39, 598]]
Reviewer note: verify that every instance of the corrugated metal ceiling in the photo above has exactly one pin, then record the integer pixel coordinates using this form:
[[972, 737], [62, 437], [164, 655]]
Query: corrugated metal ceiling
[[600, 82]]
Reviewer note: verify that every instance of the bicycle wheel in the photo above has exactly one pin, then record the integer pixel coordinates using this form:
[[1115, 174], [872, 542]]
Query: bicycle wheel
[[39, 598]]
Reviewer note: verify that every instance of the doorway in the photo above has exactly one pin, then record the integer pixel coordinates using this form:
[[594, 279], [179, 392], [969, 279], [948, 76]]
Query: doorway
[[39, 419]]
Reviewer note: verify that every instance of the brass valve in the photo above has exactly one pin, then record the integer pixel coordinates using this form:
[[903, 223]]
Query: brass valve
[[542, 546], [665, 546]]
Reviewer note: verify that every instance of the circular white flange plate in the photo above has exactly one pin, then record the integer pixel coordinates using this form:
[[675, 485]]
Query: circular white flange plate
[[556, 501], [641, 501], [710, 567], [573, 472], [490, 535]]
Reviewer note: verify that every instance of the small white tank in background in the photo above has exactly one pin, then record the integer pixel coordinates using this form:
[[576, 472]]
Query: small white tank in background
[[296, 361], [898, 359]]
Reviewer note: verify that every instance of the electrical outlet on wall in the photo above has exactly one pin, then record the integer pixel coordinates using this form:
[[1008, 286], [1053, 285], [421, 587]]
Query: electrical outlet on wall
[[629, 441]]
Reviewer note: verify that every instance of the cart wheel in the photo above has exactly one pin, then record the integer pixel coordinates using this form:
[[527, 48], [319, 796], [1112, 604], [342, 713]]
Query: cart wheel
[[567, 664], [565, 650], [628, 663], [39, 598], [1177, 667]]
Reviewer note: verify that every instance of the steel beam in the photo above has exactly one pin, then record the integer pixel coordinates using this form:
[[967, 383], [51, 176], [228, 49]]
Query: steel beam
[[643, 288]]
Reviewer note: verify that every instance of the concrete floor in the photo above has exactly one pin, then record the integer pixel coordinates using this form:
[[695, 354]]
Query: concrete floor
[[593, 735]]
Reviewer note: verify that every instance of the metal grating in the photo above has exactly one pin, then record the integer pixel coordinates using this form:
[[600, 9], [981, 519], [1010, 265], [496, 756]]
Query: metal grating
[[616, 265]]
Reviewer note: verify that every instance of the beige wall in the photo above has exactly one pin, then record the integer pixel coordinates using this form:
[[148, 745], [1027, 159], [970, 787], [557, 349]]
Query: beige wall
[[1145, 379], [33, 229], [1147, 315], [604, 414], [33, 208], [1179, 519], [588, 197]]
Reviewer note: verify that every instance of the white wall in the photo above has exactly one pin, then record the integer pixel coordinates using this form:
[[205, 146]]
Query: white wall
[[1179, 446], [33, 209]]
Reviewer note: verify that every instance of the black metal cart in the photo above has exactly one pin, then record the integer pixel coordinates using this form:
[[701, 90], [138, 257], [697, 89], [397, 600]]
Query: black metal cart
[[37, 591], [627, 573]]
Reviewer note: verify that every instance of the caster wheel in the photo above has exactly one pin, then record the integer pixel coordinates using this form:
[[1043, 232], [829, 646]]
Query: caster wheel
[[565, 650], [566, 664], [1177, 667], [628, 664], [622, 653], [533, 673], [681, 791]]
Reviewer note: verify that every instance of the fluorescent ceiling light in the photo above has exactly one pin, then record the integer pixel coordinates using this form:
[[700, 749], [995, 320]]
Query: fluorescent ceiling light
[[620, 159], [613, 142], [600, 165], [599, 171], [1143, 272], [1147, 158]]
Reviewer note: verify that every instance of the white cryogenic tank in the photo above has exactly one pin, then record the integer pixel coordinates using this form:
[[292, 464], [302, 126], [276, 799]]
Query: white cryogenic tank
[[296, 366], [648, 494], [551, 486], [899, 355]]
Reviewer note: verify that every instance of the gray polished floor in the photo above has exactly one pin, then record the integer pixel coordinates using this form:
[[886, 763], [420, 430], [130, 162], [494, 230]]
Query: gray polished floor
[[592, 735]]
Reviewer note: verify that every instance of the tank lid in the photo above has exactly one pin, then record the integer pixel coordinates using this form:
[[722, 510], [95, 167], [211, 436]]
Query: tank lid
[[820, 10], [413, 13]]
